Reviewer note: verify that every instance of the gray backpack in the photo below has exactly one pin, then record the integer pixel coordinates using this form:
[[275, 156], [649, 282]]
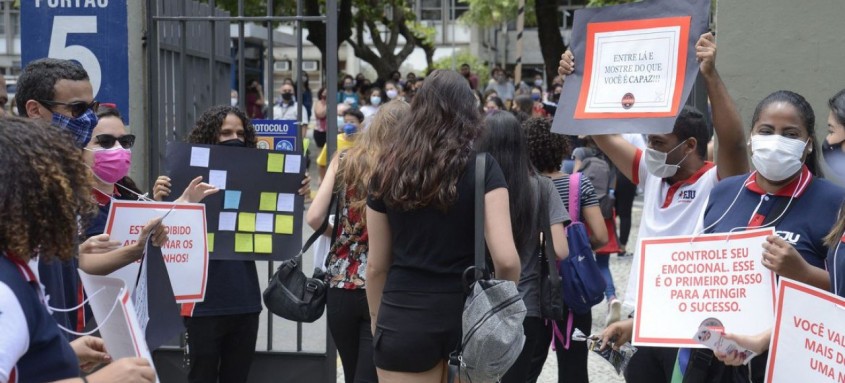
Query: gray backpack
[[492, 319]]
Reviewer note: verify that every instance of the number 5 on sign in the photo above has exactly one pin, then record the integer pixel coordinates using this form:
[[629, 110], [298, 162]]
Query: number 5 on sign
[[66, 25]]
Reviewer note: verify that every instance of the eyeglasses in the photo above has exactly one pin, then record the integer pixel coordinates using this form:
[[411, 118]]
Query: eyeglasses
[[77, 108], [106, 141]]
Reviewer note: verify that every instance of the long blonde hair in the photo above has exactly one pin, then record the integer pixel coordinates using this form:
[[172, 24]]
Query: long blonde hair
[[354, 171]]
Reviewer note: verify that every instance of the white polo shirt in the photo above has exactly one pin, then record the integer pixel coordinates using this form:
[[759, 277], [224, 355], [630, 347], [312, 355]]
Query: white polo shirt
[[668, 209]]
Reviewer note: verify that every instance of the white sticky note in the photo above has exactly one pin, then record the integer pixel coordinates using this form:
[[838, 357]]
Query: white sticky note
[[217, 178], [227, 221], [285, 202], [264, 222], [292, 163], [199, 157]]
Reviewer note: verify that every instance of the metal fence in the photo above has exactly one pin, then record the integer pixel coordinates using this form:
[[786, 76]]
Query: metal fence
[[191, 54]]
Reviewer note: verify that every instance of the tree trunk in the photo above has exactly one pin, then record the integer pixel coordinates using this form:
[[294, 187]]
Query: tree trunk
[[317, 31], [548, 32]]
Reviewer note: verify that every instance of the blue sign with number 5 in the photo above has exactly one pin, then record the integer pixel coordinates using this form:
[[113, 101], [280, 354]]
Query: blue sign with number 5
[[91, 32]]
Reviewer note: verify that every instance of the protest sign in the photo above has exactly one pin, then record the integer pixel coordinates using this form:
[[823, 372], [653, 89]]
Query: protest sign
[[258, 213], [808, 338], [110, 302], [185, 253], [276, 134], [635, 67], [686, 279]]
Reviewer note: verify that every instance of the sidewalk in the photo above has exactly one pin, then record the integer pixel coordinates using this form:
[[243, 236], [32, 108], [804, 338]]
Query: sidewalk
[[600, 370]]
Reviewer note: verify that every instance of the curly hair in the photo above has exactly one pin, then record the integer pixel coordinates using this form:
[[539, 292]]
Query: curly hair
[[545, 149], [207, 129], [359, 162], [45, 191], [422, 166]]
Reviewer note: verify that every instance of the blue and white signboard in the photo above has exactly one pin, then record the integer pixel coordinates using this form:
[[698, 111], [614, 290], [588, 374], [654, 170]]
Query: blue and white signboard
[[91, 32], [278, 135]]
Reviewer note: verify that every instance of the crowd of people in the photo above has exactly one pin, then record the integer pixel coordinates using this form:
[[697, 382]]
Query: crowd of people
[[403, 181]]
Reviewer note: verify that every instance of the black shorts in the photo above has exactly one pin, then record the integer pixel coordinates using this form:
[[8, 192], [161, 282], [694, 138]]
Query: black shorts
[[416, 330]]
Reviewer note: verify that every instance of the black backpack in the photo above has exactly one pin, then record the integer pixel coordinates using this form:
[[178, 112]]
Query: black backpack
[[601, 176]]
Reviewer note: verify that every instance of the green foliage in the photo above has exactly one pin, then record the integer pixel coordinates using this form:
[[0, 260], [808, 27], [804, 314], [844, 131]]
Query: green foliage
[[492, 13], [463, 56]]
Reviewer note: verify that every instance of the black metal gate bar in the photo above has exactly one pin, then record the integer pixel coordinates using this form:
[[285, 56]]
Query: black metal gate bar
[[172, 109]]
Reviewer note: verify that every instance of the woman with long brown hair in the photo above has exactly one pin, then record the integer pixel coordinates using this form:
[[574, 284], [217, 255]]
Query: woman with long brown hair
[[346, 303], [420, 219]]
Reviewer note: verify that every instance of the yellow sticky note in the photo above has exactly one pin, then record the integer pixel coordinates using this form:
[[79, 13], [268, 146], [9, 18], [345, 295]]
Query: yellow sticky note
[[263, 243], [243, 243], [284, 224], [210, 241], [268, 202], [275, 163], [246, 222]]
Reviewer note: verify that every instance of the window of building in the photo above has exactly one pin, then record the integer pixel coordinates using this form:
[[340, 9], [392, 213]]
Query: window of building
[[431, 10], [457, 9]]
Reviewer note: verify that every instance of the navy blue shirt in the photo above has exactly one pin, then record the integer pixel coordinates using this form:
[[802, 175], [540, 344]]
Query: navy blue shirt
[[836, 267], [34, 350], [804, 224]]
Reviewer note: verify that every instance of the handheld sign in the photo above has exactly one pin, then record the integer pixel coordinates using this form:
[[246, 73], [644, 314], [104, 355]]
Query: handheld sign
[[808, 339], [257, 214], [185, 253], [115, 314], [635, 67], [684, 280]]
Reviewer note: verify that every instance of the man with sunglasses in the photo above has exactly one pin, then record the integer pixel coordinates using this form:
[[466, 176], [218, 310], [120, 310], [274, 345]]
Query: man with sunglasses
[[58, 92]]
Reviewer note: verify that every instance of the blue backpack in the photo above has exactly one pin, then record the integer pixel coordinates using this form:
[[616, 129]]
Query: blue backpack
[[581, 280]]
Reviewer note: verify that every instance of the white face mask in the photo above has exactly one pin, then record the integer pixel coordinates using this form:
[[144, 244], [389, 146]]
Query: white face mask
[[655, 162], [234, 101], [776, 157], [391, 93]]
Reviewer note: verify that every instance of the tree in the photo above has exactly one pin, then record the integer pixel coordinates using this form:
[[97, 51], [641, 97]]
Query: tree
[[477, 66], [385, 22]]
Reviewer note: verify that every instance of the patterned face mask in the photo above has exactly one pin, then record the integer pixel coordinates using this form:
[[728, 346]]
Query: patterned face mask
[[80, 127]]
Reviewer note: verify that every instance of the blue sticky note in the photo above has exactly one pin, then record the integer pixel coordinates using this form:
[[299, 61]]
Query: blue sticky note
[[232, 199]]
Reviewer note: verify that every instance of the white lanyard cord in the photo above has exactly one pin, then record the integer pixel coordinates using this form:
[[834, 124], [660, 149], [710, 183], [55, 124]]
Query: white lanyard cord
[[114, 306]]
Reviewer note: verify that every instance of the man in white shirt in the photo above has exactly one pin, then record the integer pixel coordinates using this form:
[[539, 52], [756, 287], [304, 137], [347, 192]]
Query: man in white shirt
[[286, 110], [676, 180]]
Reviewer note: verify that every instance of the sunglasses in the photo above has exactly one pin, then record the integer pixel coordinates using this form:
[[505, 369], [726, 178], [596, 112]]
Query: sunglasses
[[77, 108], [106, 141]]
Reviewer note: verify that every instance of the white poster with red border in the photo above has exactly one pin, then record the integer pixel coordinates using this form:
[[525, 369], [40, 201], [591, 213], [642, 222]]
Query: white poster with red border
[[808, 338], [684, 280], [185, 253]]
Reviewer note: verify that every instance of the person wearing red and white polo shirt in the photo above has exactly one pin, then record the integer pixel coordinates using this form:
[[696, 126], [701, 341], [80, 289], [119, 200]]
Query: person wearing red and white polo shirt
[[676, 180]]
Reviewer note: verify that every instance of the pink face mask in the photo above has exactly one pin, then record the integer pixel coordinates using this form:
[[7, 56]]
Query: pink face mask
[[111, 165]]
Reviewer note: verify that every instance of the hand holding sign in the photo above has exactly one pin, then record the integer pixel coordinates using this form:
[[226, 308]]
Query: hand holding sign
[[91, 352], [780, 257], [757, 343], [705, 53], [617, 334], [98, 244], [567, 63], [197, 191]]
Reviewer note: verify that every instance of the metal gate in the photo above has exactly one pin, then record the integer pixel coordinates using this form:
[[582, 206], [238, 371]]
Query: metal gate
[[191, 60]]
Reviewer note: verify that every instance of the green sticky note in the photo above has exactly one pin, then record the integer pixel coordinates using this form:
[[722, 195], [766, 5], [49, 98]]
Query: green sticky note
[[243, 243], [284, 224], [268, 202], [263, 243], [275, 163], [246, 222], [210, 241]]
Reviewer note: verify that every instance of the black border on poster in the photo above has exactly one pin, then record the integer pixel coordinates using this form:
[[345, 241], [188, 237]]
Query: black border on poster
[[564, 121], [247, 172]]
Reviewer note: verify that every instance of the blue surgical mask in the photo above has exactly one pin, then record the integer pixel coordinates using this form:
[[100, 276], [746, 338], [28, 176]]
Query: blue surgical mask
[[535, 96], [375, 100], [340, 122], [350, 129], [80, 127]]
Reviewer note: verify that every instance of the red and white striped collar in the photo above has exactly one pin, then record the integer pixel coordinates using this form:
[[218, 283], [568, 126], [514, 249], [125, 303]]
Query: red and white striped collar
[[797, 187], [23, 267]]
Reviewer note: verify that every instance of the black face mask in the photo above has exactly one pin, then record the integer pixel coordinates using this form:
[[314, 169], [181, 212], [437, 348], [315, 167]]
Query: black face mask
[[831, 147], [287, 96], [233, 142]]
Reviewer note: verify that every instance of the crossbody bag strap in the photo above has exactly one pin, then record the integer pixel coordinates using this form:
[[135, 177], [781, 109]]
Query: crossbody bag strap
[[480, 168], [575, 197], [545, 222]]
